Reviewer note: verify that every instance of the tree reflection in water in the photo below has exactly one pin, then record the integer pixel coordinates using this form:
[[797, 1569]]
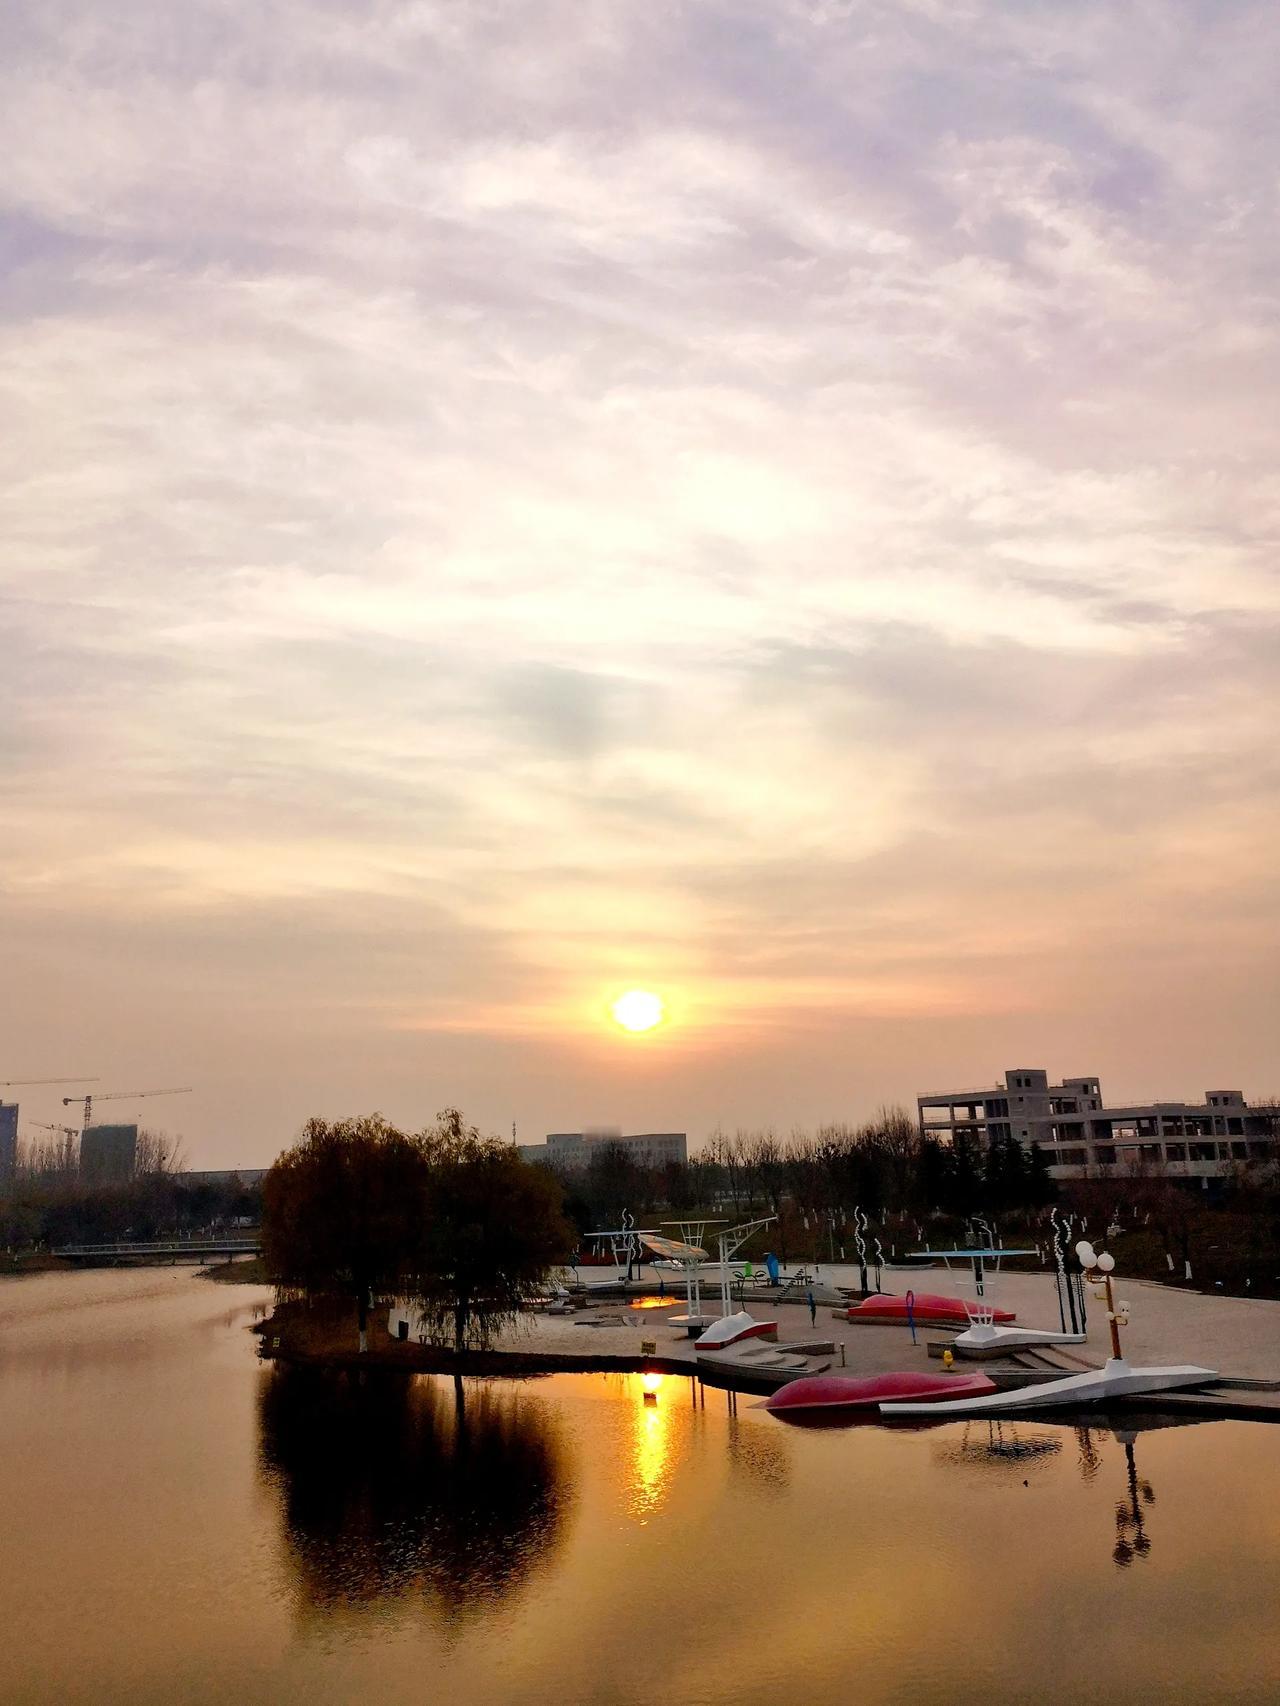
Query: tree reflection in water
[[391, 1485]]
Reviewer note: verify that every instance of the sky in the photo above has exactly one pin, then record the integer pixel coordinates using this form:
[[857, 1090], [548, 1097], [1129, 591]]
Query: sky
[[508, 501]]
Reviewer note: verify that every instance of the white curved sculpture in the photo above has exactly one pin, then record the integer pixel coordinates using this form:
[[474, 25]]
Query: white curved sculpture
[[985, 1336], [729, 1329], [1116, 1380]]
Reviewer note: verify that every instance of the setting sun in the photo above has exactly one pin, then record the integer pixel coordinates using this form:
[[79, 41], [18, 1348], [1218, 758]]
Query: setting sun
[[638, 1010]]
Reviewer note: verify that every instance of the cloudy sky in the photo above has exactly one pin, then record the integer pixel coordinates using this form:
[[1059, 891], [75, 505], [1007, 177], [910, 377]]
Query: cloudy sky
[[508, 500]]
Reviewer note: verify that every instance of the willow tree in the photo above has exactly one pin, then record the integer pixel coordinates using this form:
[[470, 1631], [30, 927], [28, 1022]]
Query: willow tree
[[342, 1212], [493, 1230]]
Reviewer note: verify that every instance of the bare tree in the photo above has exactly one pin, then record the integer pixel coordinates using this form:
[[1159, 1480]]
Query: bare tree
[[157, 1152]]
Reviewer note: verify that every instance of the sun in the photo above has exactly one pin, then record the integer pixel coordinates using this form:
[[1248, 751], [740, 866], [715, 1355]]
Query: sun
[[638, 1010]]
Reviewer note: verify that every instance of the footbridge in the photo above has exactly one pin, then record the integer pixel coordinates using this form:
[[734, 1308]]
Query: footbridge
[[246, 1242]]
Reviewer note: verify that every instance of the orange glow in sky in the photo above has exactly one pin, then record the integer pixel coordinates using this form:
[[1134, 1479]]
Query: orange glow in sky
[[730, 698]]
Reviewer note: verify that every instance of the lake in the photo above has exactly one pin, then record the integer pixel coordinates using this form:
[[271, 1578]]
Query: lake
[[182, 1523]]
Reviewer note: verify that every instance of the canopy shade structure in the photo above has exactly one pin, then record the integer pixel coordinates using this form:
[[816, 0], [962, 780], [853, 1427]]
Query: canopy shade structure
[[671, 1249], [688, 1254]]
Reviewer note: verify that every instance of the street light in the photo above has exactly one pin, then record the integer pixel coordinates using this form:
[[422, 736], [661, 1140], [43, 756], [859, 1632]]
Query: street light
[[1103, 1264]]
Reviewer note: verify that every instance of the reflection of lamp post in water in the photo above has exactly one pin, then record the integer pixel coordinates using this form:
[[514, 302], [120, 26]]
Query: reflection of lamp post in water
[[1131, 1537]]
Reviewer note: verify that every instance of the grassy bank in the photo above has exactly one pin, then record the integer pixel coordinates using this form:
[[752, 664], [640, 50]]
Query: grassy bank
[[237, 1273], [31, 1262]]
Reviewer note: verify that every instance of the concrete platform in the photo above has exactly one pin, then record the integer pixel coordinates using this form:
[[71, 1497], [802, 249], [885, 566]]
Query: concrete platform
[[1240, 1337]]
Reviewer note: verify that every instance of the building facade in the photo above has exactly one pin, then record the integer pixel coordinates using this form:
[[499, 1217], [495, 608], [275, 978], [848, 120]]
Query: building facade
[[108, 1153], [8, 1139], [1081, 1137], [570, 1149], [222, 1177]]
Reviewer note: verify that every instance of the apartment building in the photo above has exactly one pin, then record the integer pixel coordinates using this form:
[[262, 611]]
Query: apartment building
[[1082, 1137], [575, 1148]]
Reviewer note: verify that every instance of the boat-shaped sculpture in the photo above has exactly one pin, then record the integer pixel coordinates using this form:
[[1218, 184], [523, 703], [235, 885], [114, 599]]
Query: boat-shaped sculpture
[[1116, 1380], [730, 1329], [927, 1309], [851, 1392]]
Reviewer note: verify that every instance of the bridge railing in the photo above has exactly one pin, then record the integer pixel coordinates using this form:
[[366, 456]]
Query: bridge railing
[[166, 1247]]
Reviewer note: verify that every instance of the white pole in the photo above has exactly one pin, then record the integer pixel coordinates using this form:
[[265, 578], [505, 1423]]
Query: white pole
[[724, 1275]]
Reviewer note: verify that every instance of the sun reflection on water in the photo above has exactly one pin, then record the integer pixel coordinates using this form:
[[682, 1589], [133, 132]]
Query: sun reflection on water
[[652, 1446]]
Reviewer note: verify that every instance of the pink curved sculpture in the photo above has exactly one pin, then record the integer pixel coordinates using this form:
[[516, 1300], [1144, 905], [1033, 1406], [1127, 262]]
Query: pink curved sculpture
[[928, 1307], [850, 1392]]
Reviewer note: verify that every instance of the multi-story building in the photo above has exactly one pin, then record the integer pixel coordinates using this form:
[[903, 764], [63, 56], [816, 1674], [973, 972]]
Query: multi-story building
[[8, 1139], [1081, 1137], [108, 1153], [575, 1148]]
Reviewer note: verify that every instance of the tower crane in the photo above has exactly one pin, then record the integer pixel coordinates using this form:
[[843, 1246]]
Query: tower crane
[[118, 1096], [66, 1130]]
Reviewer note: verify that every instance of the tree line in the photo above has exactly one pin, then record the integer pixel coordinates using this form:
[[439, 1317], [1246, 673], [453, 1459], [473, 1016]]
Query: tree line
[[812, 1182], [46, 1201]]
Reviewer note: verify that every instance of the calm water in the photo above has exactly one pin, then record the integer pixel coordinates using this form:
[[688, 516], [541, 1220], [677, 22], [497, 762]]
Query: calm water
[[180, 1523]]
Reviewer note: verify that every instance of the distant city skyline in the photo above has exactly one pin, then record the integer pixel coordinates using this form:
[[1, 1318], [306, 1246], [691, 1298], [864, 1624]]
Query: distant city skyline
[[772, 507]]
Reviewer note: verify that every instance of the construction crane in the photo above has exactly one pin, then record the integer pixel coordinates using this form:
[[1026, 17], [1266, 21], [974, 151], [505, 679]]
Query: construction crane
[[118, 1096], [63, 1131], [8, 1083]]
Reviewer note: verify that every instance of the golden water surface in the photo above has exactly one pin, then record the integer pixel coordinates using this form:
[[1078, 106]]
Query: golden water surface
[[181, 1523]]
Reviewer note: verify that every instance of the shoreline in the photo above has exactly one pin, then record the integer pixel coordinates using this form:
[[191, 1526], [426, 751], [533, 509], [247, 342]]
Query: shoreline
[[322, 1339]]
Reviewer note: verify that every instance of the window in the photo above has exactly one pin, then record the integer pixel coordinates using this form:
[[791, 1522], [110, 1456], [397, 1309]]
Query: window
[[1067, 1158], [1104, 1157], [1175, 1151]]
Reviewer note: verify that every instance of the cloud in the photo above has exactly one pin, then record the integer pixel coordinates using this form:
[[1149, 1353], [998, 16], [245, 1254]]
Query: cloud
[[780, 504]]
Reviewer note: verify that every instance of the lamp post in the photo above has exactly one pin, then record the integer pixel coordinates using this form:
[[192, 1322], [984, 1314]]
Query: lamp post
[[1101, 1267]]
